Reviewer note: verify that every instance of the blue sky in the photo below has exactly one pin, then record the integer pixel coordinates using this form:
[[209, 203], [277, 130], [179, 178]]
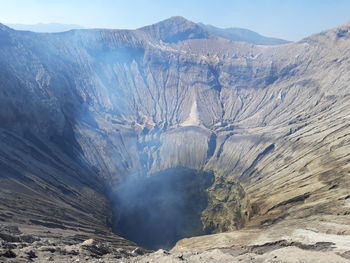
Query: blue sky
[[288, 19]]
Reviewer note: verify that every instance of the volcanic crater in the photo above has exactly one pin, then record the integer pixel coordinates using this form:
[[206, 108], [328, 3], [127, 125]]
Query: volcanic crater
[[172, 137]]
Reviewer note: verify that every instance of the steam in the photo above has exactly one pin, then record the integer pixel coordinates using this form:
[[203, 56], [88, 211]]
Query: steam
[[158, 210]]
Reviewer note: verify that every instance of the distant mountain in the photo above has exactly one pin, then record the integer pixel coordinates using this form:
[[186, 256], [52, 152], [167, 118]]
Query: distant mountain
[[176, 29], [244, 35], [45, 28]]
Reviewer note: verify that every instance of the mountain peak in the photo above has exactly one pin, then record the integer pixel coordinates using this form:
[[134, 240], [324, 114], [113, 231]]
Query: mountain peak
[[178, 19], [175, 29]]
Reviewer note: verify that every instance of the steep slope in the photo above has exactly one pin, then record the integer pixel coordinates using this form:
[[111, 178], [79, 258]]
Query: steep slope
[[47, 185], [261, 132]]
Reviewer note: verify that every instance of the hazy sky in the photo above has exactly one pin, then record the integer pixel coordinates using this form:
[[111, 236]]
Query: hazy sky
[[288, 19]]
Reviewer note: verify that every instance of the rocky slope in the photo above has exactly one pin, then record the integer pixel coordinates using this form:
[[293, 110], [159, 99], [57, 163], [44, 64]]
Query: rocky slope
[[90, 118]]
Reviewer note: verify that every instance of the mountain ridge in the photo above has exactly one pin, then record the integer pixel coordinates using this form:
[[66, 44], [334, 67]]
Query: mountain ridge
[[239, 34], [45, 27], [245, 35]]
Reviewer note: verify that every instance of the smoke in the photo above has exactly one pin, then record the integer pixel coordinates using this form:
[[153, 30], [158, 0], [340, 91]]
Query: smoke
[[158, 210]]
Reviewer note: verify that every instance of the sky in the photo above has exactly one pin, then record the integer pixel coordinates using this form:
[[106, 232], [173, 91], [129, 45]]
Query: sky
[[287, 19]]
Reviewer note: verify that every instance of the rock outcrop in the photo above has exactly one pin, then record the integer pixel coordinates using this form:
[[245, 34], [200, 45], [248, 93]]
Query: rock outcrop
[[84, 111]]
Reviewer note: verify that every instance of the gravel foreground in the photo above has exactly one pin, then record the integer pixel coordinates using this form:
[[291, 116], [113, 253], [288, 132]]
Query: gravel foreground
[[17, 247]]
